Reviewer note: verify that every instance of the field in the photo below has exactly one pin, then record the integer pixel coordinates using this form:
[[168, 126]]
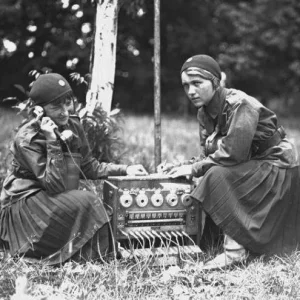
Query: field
[[261, 278], [179, 138]]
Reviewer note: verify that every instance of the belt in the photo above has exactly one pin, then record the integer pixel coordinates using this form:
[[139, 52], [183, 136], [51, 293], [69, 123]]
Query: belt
[[259, 147]]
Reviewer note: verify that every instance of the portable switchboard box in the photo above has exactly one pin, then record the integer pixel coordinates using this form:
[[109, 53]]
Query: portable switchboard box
[[153, 206]]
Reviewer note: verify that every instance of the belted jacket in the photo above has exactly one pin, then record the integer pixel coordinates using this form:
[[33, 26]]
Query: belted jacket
[[241, 123], [39, 164]]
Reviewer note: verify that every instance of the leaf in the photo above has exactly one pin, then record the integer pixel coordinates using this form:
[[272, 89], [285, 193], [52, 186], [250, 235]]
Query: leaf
[[20, 88], [9, 99], [114, 112]]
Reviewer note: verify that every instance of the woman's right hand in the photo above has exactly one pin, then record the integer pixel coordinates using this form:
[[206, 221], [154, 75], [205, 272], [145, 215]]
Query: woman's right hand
[[164, 167], [184, 170], [48, 126]]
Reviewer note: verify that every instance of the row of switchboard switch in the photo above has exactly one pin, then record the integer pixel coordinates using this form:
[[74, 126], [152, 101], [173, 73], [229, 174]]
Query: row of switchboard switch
[[156, 199]]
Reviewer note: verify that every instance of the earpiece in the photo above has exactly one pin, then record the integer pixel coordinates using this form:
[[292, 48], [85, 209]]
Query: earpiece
[[38, 112], [65, 136]]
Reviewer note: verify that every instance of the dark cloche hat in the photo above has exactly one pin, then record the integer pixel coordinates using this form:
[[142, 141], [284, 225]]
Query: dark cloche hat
[[204, 62], [49, 87]]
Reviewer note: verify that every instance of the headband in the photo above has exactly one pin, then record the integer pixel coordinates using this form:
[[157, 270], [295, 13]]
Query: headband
[[203, 62]]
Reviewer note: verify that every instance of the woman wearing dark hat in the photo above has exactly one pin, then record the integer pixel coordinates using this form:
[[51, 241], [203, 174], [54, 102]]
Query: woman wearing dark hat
[[249, 170], [43, 214]]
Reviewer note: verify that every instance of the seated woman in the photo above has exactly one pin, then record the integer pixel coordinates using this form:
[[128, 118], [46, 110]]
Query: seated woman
[[249, 170], [43, 214]]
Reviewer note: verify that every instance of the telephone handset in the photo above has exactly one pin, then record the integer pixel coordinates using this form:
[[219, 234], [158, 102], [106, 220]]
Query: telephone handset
[[65, 136]]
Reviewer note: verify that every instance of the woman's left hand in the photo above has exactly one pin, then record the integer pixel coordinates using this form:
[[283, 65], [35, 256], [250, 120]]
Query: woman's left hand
[[184, 170], [138, 170]]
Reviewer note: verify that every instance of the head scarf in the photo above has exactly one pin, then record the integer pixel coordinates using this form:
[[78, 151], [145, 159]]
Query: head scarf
[[205, 66], [48, 88]]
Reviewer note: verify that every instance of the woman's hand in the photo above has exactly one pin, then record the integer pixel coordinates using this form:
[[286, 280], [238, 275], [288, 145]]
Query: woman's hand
[[184, 170], [138, 170], [164, 167], [48, 126]]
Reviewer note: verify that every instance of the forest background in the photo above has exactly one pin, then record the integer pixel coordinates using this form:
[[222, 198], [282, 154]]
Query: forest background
[[256, 42]]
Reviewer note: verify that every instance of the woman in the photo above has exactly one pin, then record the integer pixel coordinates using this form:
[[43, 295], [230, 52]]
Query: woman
[[43, 214], [249, 171]]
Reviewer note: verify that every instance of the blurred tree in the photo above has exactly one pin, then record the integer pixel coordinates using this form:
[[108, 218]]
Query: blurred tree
[[262, 55], [39, 33], [255, 41]]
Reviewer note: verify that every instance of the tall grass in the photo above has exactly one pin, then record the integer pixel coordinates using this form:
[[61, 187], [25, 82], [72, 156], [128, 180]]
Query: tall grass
[[273, 278], [179, 139]]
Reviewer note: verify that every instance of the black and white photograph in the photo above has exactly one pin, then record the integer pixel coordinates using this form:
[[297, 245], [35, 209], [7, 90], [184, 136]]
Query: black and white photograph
[[149, 149]]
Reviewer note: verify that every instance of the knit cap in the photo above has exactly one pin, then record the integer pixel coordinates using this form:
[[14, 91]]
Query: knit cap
[[204, 62], [49, 87]]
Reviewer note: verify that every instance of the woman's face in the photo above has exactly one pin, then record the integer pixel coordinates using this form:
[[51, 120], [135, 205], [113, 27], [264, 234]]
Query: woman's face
[[60, 112], [199, 90]]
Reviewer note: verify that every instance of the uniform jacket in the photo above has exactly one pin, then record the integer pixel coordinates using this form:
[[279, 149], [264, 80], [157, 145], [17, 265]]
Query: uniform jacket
[[41, 165], [241, 121]]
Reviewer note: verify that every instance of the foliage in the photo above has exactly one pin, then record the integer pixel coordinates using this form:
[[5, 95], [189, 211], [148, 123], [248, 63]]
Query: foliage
[[102, 129], [102, 133], [8, 122], [256, 42], [262, 55]]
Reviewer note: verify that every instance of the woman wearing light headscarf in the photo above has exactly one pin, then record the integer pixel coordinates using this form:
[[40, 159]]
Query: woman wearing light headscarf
[[250, 170]]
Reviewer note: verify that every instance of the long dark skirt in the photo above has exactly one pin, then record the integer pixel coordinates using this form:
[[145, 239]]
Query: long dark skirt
[[255, 203], [53, 228]]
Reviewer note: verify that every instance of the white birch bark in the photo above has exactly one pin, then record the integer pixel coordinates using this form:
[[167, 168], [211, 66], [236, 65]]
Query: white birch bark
[[103, 63]]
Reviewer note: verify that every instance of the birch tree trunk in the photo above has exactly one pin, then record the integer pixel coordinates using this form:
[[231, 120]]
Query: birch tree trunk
[[103, 62]]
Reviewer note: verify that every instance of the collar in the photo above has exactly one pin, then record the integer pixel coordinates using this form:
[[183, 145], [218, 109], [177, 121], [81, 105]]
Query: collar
[[215, 106]]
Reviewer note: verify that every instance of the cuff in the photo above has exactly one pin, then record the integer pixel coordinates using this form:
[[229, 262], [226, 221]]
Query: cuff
[[197, 169], [118, 170], [124, 169]]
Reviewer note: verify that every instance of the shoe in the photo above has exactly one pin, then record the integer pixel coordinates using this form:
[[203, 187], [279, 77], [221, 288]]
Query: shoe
[[226, 259]]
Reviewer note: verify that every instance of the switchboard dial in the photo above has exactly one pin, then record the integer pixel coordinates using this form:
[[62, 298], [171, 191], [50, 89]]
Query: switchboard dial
[[126, 199], [186, 200], [157, 199], [172, 199], [142, 199]]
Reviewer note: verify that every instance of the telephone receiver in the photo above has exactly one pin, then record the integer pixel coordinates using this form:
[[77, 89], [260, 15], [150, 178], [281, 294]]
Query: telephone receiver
[[65, 136]]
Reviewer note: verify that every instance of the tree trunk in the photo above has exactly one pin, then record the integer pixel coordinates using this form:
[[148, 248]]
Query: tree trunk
[[103, 62]]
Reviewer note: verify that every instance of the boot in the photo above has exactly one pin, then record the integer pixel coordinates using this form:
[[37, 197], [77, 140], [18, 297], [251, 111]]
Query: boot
[[233, 254]]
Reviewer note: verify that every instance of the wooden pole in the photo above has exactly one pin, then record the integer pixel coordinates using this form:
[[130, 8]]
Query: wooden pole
[[157, 91]]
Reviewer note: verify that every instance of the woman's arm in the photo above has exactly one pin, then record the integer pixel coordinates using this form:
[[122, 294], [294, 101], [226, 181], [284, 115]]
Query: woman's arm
[[45, 160], [91, 167], [235, 146]]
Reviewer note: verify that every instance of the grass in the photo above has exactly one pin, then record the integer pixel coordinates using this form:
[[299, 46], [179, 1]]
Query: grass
[[273, 278], [179, 139]]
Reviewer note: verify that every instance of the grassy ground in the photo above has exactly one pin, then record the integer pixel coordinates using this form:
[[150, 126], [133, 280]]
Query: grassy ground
[[179, 138], [274, 278]]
